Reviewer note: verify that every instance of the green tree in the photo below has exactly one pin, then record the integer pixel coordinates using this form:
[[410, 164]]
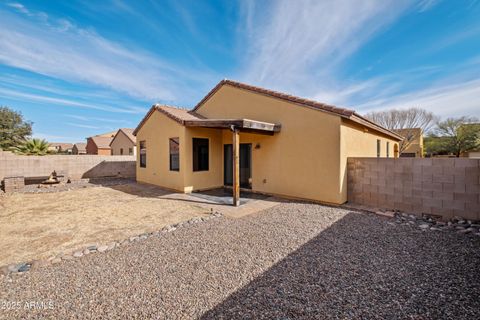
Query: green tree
[[458, 134], [37, 147], [14, 129]]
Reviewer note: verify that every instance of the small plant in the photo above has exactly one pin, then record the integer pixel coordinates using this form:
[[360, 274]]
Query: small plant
[[38, 147]]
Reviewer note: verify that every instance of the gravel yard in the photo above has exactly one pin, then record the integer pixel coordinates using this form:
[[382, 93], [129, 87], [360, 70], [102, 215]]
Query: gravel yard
[[294, 260]]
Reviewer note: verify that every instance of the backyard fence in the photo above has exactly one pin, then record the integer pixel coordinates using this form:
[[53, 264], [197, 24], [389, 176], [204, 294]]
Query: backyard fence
[[443, 187], [72, 166]]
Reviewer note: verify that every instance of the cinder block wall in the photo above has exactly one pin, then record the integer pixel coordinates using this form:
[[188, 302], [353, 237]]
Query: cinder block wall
[[444, 187], [74, 166]]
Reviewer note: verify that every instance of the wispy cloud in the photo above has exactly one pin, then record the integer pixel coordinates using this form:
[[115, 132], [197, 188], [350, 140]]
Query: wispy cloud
[[52, 137], [58, 48], [302, 42], [445, 100], [84, 118], [82, 125], [25, 97], [425, 5]]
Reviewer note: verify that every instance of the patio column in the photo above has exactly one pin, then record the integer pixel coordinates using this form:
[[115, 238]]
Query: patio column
[[236, 167]]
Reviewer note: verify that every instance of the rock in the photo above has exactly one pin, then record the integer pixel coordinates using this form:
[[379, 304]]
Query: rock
[[56, 260], [135, 238], [86, 251], [92, 248], [143, 237], [464, 231], [389, 214], [424, 226], [111, 245], [435, 229], [78, 254], [24, 267], [102, 248], [172, 229]]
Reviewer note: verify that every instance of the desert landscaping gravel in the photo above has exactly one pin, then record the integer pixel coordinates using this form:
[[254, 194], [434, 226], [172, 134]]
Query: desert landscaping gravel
[[295, 260]]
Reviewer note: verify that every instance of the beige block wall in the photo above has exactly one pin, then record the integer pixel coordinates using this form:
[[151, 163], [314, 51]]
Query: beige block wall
[[444, 187], [303, 160], [75, 166], [156, 132], [121, 141]]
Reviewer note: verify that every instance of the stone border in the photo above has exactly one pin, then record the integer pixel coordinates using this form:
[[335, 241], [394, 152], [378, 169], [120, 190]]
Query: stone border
[[424, 222], [21, 268]]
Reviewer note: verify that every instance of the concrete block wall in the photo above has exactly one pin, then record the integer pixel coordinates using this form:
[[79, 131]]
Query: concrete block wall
[[72, 166], [444, 187]]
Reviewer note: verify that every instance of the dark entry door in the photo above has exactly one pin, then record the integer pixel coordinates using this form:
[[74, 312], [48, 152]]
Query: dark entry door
[[245, 165]]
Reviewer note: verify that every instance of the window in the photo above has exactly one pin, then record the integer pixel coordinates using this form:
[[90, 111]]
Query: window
[[121, 151], [388, 149], [200, 154], [130, 151], [143, 154], [174, 145], [378, 148]]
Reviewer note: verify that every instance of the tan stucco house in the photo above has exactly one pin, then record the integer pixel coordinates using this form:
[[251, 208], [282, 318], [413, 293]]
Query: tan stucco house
[[100, 144], [123, 143], [268, 141], [413, 140], [79, 148]]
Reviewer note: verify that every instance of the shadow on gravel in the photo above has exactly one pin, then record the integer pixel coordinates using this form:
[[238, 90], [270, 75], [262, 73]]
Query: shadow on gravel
[[362, 267]]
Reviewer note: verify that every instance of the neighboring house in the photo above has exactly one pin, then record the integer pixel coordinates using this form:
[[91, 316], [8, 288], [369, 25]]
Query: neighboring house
[[474, 153], [100, 144], [79, 148], [286, 145], [123, 143], [60, 147], [414, 142]]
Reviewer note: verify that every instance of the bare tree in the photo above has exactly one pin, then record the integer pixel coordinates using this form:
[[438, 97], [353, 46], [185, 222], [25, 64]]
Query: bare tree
[[406, 122]]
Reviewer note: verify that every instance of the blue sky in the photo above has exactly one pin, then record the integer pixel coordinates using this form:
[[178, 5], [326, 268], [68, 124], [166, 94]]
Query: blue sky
[[78, 68]]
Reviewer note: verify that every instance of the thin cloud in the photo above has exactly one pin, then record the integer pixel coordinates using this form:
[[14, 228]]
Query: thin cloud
[[448, 100], [83, 118], [57, 48], [81, 125], [31, 97], [302, 42]]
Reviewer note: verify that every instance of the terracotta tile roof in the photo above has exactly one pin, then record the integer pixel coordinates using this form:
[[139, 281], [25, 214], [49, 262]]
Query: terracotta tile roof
[[102, 142], [81, 146], [178, 114], [276, 94], [61, 145], [129, 133]]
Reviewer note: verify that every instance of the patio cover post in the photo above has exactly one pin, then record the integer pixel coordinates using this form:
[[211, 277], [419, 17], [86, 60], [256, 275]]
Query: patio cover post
[[236, 167]]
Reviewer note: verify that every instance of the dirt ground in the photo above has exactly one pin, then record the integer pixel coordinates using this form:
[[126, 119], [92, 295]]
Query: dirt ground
[[37, 226]]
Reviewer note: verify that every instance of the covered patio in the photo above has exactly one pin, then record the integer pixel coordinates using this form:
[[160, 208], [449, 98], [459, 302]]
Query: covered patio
[[236, 126]]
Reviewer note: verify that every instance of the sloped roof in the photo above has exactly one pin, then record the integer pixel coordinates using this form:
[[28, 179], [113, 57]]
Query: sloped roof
[[61, 145], [102, 142], [128, 132], [175, 113], [81, 146]]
